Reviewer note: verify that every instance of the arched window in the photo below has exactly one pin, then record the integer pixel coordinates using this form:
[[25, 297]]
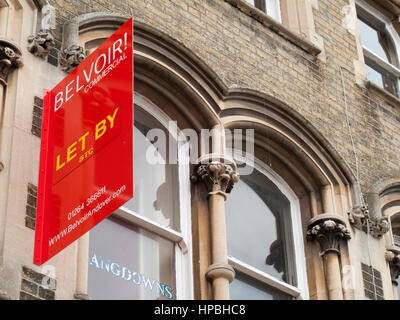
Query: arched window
[[265, 245], [143, 250], [378, 38], [390, 206]]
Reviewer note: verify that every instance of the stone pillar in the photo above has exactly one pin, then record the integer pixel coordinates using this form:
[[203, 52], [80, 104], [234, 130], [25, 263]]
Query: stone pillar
[[219, 176], [393, 259], [81, 287], [10, 59], [329, 230]]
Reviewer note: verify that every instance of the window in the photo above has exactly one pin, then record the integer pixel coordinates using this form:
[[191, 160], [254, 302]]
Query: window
[[378, 38], [395, 223], [264, 239], [270, 7], [143, 250]]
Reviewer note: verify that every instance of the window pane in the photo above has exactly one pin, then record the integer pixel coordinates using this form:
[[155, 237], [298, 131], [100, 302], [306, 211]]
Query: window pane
[[259, 228], [374, 76], [127, 262], [155, 185], [245, 288], [398, 292], [370, 39], [382, 79]]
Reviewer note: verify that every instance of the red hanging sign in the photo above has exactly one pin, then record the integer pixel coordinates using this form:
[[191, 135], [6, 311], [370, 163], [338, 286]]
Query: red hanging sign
[[86, 159]]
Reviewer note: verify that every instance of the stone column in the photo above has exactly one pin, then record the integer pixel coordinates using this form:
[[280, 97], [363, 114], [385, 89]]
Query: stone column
[[81, 287], [393, 259], [219, 176], [10, 59], [329, 230]]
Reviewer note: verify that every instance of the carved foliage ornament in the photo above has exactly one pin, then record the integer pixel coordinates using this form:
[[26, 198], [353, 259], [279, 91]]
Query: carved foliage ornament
[[10, 59], [71, 57], [41, 43], [379, 227], [328, 233], [217, 176]]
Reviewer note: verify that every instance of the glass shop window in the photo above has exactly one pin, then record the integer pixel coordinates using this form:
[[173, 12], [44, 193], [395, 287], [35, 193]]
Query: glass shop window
[[128, 262], [134, 254]]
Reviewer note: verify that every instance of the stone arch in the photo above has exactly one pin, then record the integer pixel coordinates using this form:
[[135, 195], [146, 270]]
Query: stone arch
[[381, 195], [297, 152], [188, 91]]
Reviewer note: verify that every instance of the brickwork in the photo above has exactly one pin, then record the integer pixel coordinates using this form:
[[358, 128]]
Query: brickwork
[[30, 218], [37, 117], [34, 286], [245, 53]]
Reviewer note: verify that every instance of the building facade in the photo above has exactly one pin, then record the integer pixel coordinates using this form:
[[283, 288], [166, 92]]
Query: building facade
[[317, 216]]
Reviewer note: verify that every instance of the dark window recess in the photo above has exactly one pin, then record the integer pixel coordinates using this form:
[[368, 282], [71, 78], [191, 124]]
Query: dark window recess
[[30, 218], [37, 117], [372, 279], [36, 286]]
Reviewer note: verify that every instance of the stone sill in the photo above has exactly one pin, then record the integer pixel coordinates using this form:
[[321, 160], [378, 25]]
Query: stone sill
[[386, 95], [275, 26]]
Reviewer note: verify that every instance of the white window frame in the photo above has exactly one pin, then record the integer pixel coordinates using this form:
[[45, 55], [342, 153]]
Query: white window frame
[[182, 239], [380, 65], [272, 8], [301, 291]]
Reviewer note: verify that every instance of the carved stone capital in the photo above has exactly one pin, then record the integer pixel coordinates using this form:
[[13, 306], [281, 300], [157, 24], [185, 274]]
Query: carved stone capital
[[392, 256], [219, 176], [328, 230], [71, 57], [10, 59], [378, 227], [358, 216], [41, 43]]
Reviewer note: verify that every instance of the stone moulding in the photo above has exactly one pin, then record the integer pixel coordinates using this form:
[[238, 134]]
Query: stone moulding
[[10, 58], [277, 27]]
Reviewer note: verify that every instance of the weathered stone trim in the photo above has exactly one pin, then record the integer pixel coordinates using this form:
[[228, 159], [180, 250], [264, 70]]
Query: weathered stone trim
[[275, 26], [386, 95]]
